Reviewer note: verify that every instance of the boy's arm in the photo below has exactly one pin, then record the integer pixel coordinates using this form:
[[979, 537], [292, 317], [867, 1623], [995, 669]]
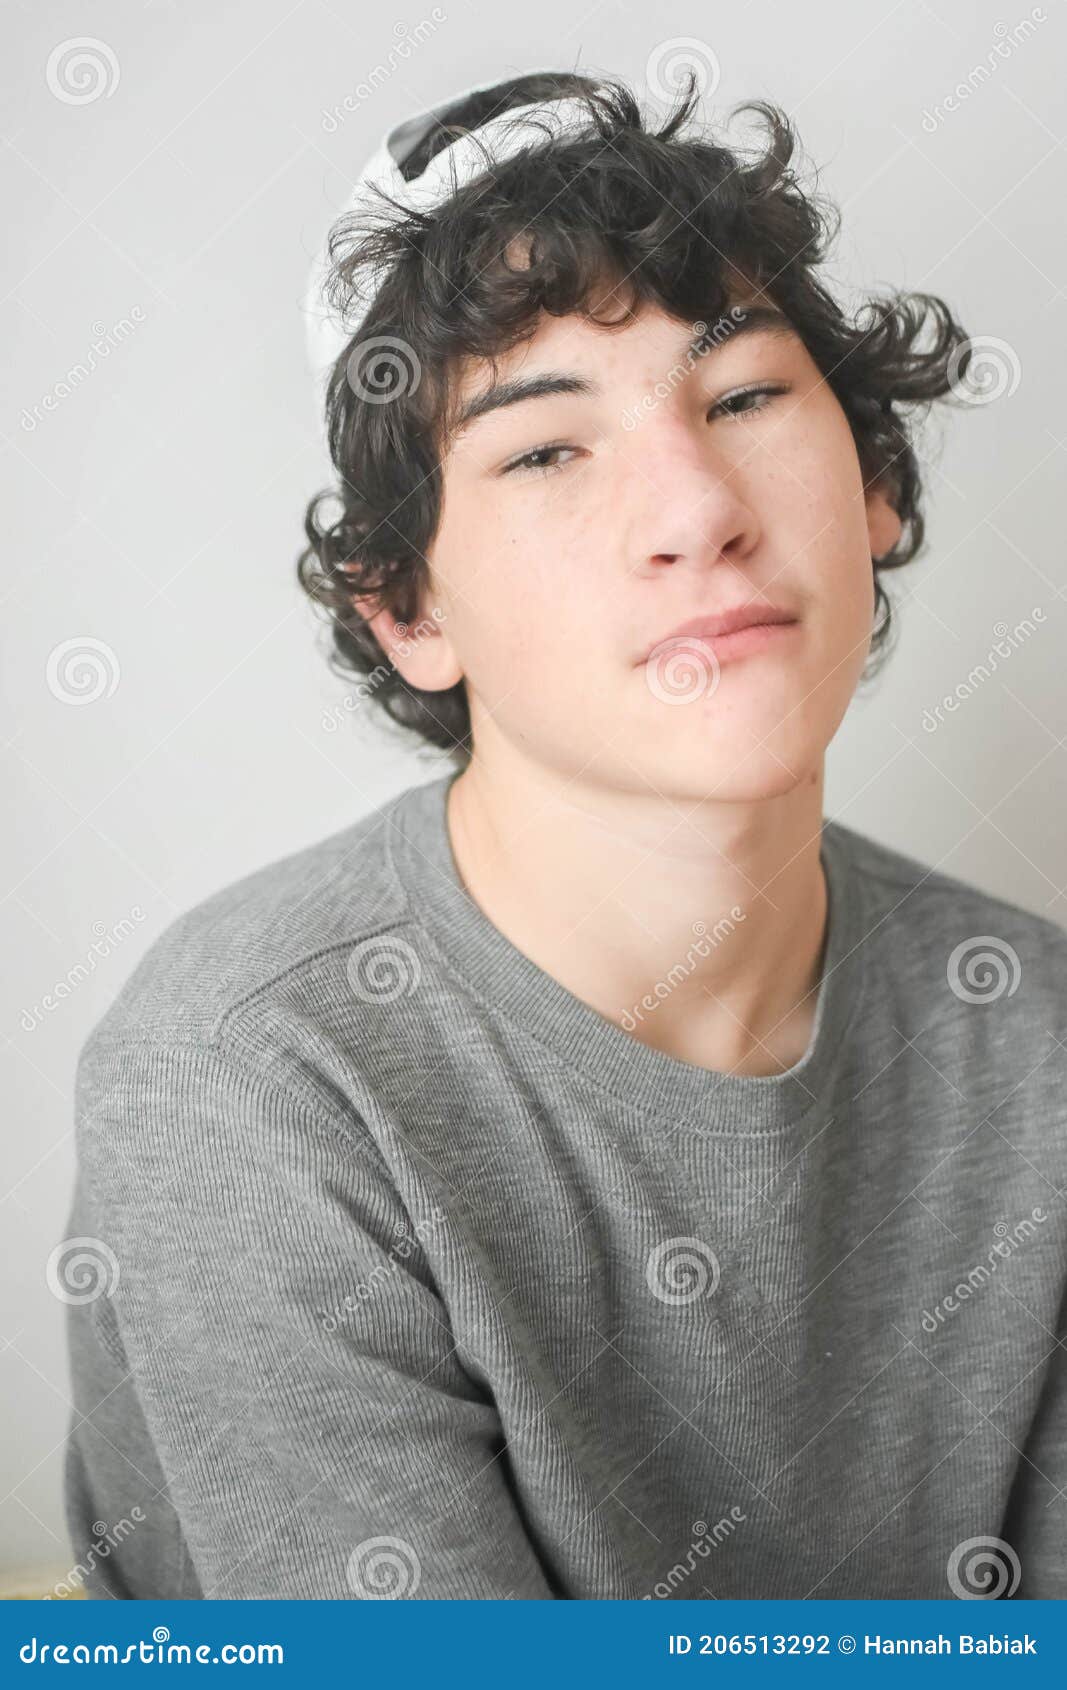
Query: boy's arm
[[293, 1359]]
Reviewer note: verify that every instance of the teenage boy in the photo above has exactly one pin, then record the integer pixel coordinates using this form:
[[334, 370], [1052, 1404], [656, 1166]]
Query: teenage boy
[[593, 1173]]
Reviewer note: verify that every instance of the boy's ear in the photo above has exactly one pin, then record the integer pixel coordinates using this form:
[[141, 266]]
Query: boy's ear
[[420, 650], [884, 526]]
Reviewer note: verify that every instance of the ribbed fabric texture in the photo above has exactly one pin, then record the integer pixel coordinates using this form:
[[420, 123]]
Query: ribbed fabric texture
[[418, 1278]]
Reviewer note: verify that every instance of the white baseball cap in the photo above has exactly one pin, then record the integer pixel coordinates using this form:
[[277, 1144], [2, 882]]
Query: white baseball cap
[[515, 130]]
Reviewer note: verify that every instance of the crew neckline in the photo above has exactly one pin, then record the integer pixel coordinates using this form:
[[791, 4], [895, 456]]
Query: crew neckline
[[510, 983]]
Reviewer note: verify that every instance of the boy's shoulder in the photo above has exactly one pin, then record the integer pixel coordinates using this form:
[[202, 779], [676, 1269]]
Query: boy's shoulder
[[985, 941], [262, 937], [262, 931]]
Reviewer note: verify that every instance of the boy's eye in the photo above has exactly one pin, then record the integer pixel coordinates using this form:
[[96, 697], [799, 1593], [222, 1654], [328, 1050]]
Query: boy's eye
[[528, 461], [738, 404]]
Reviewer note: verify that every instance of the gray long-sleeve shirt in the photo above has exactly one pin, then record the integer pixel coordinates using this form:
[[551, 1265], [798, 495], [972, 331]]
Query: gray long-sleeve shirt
[[410, 1275]]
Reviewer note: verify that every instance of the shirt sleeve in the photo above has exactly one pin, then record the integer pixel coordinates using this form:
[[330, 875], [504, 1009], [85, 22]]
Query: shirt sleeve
[[294, 1361], [1036, 1521]]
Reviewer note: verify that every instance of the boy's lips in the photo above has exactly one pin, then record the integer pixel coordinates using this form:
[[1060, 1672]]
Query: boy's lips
[[715, 631]]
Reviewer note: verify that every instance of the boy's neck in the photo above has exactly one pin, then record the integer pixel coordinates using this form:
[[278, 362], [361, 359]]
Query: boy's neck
[[699, 928]]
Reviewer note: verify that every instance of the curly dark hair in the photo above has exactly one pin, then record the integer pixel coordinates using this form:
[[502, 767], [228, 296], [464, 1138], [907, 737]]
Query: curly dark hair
[[665, 214]]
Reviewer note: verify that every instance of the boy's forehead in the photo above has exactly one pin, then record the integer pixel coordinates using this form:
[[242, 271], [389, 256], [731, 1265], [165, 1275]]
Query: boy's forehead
[[581, 340], [577, 332]]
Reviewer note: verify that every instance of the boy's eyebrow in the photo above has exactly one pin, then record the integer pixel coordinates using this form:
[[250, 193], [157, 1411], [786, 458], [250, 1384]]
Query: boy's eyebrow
[[765, 319]]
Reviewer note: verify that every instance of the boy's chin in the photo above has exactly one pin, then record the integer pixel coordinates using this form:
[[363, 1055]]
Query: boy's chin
[[733, 771]]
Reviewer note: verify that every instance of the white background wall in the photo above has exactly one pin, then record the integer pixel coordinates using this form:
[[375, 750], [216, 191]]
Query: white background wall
[[157, 506]]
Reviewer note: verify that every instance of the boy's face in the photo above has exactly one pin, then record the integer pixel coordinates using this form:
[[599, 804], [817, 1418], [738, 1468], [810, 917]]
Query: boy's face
[[662, 504]]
